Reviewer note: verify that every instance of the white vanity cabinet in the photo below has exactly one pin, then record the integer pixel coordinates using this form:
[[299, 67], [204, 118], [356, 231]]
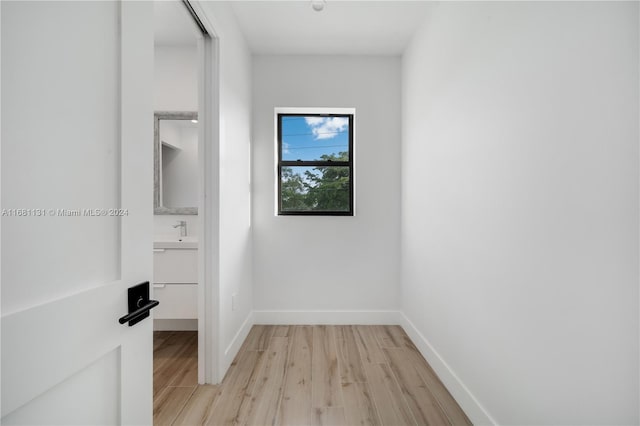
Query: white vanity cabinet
[[175, 281]]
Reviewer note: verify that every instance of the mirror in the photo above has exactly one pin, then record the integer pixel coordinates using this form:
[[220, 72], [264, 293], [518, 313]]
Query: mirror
[[176, 163]]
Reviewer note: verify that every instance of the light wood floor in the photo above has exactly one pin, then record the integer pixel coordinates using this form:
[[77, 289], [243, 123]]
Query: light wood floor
[[304, 375]]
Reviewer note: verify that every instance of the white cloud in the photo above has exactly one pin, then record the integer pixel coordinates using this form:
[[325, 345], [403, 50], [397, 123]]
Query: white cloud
[[327, 127], [314, 121]]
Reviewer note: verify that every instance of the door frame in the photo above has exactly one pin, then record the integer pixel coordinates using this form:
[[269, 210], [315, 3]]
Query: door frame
[[208, 199]]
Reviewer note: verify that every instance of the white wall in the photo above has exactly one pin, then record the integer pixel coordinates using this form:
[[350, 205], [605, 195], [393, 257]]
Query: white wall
[[329, 263], [520, 207], [235, 167], [176, 78]]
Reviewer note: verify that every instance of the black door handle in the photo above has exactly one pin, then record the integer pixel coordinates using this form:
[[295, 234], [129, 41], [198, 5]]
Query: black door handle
[[138, 312], [139, 304]]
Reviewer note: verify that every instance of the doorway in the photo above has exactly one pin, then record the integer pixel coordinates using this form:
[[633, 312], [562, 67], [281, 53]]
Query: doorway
[[182, 352]]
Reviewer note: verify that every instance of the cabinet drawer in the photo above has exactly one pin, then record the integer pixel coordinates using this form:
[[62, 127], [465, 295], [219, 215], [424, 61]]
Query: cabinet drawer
[[179, 266], [177, 301]]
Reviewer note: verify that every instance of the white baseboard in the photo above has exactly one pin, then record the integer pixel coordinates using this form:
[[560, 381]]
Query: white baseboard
[[327, 317], [175, 324], [232, 350], [470, 405]]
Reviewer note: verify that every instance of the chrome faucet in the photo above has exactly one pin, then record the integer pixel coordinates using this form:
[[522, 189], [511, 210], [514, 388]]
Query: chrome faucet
[[183, 227]]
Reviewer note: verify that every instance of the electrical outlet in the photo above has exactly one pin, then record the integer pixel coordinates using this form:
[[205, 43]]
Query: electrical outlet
[[233, 301]]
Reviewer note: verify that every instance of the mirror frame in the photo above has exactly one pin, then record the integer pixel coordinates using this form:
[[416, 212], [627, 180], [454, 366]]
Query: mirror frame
[[157, 116]]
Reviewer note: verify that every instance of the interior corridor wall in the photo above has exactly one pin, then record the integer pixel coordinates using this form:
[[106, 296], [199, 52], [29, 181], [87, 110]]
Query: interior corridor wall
[[520, 207], [306, 264], [235, 276]]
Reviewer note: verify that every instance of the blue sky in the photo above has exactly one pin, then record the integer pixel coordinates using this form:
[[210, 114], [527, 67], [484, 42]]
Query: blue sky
[[307, 138]]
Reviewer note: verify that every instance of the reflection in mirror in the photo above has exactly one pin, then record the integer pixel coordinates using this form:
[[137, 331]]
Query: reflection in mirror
[[176, 163]]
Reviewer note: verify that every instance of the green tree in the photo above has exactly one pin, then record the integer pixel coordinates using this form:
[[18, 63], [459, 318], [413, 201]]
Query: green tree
[[328, 187], [294, 190]]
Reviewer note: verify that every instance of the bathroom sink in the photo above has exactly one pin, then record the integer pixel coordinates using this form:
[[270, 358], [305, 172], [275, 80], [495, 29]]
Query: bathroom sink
[[175, 242]]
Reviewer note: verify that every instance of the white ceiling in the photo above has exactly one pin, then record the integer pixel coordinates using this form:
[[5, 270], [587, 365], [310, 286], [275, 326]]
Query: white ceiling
[[173, 26], [343, 27]]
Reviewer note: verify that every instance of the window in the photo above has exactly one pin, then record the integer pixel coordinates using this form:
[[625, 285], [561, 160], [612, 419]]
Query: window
[[315, 164]]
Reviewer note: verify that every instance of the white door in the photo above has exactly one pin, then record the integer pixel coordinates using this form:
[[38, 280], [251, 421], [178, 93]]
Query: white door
[[77, 140]]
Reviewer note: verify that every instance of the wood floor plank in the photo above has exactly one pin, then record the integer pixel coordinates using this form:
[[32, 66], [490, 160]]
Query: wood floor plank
[[198, 407], [387, 396], [329, 416], [389, 336], [187, 374], [267, 393], [169, 360], [359, 407], [370, 351], [173, 346], [422, 403], [281, 331], [169, 403], [398, 334], [432, 381], [159, 337], [304, 375], [325, 379], [295, 407], [258, 338], [349, 360], [235, 387]]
